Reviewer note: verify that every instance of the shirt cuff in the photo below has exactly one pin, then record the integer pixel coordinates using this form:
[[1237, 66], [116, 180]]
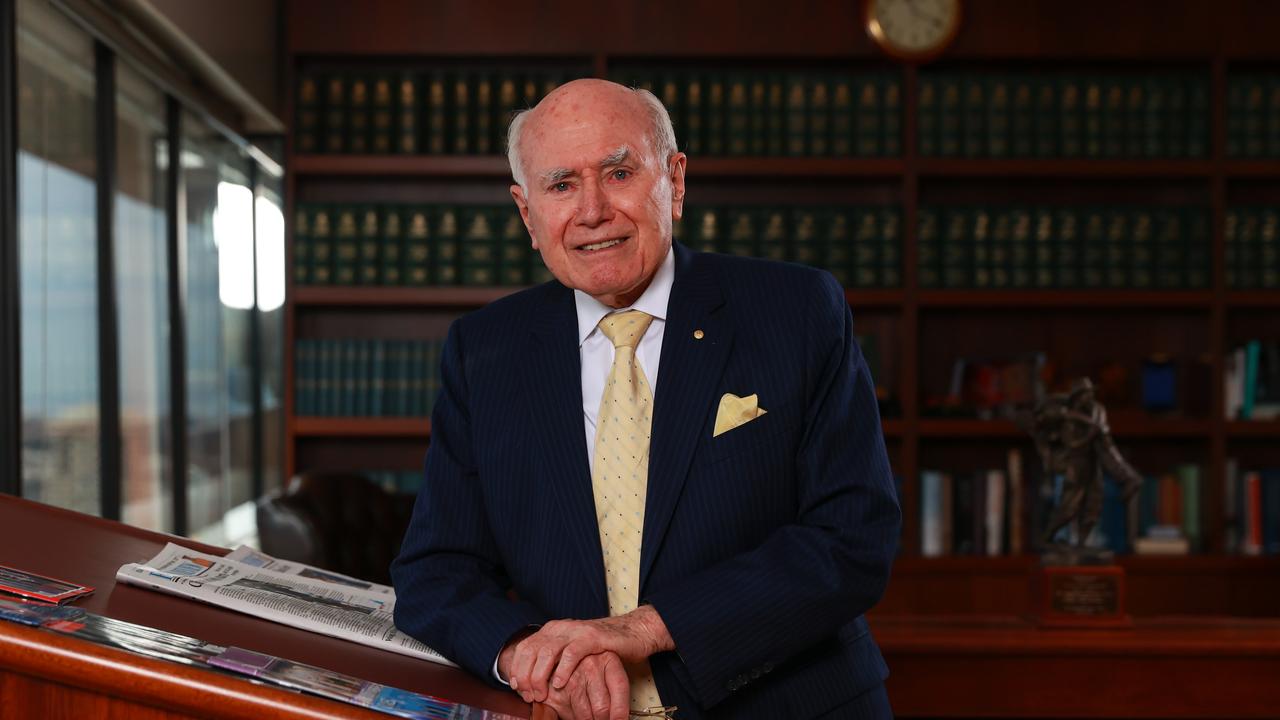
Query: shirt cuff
[[496, 676]]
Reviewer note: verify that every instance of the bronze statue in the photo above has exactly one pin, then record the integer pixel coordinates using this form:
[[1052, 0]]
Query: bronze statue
[[1074, 441]]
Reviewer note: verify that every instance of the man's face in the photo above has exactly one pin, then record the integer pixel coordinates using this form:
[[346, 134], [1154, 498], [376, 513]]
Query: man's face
[[598, 204]]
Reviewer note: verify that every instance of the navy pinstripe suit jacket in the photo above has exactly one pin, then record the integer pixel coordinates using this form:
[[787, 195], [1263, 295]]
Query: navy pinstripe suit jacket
[[762, 547]]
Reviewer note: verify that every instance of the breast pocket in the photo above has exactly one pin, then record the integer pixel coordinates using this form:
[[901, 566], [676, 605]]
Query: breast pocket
[[753, 434]]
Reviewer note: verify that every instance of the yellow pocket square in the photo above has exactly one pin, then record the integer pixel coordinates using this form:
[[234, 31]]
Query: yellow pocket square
[[735, 411]]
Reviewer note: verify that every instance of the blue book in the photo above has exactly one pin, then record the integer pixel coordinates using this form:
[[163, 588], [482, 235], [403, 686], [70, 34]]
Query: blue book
[[1251, 357], [931, 524], [1114, 524], [1148, 504]]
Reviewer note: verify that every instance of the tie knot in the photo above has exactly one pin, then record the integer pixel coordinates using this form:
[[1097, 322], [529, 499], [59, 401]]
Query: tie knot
[[626, 328]]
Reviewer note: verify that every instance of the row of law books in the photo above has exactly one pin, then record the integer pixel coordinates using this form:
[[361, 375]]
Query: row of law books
[[1253, 116], [860, 246], [1253, 247], [1063, 115], [1252, 505], [759, 113], [1004, 511], [366, 378], [406, 111], [413, 245], [1064, 247], [1251, 381]]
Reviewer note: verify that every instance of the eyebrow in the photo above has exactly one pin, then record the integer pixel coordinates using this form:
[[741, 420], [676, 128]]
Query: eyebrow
[[617, 157]]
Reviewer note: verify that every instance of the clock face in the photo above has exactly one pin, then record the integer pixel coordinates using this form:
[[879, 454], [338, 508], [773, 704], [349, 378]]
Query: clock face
[[913, 29]]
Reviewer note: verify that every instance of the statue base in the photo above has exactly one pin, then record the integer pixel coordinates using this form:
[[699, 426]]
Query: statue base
[[1080, 588]]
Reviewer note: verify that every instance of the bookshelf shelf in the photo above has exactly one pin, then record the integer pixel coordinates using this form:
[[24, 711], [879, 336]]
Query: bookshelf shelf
[[362, 427], [1264, 169], [443, 297], [478, 166], [1067, 299], [1122, 425], [1253, 298], [1065, 168], [1254, 429], [1023, 565]]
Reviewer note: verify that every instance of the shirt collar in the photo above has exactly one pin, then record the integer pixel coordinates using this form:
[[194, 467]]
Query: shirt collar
[[652, 302]]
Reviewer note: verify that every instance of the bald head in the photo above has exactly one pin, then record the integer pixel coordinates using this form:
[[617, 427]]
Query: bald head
[[593, 98]]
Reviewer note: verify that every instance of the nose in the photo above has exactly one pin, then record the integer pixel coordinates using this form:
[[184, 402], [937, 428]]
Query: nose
[[593, 205]]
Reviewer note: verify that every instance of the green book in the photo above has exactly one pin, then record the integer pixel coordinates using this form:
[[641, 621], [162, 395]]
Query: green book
[[1247, 250], [805, 245], [369, 262], [436, 112], [773, 226], [819, 115], [1117, 248], [1154, 118], [1231, 236], [740, 238], [478, 251], [307, 135], [949, 115], [1195, 223], [1272, 114], [758, 132], [383, 110], [866, 248], [776, 115], [408, 114], [377, 392], [671, 92], [891, 123], [447, 236], [1047, 228], [1049, 126], [973, 142], [302, 245], [1197, 116], [927, 120], [999, 119], [1071, 131], [1093, 248], [346, 246], [1001, 242], [1135, 118], [797, 115], [1189, 482], [1142, 251], [359, 115], [838, 242], [304, 381], [459, 129], [335, 114], [694, 114], [321, 246], [868, 113], [1237, 101], [362, 378], [392, 247], [707, 236], [504, 108], [842, 115], [1022, 273], [1022, 117], [738, 116], [1093, 112], [417, 246], [323, 404], [716, 108], [1254, 118], [482, 114], [1269, 249], [1176, 118], [1170, 251], [980, 249], [928, 252], [1114, 116], [957, 264], [348, 369], [513, 268], [889, 252]]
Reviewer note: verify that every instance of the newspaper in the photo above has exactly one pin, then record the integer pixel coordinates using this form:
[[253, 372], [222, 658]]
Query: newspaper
[[249, 556], [331, 608]]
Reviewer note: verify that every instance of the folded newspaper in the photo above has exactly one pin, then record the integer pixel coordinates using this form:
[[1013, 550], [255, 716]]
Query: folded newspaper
[[293, 594]]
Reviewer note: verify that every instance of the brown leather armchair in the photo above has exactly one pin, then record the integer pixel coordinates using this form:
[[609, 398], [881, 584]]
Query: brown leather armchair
[[336, 521]]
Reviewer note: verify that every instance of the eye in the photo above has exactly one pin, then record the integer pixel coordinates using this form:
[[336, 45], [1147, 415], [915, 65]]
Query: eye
[[621, 174], [561, 186]]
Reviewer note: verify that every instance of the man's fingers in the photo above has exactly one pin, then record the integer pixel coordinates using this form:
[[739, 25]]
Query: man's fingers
[[578, 699], [615, 677], [570, 658], [592, 672], [540, 673]]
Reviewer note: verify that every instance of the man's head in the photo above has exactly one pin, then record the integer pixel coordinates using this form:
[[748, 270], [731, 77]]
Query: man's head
[[598, 182]]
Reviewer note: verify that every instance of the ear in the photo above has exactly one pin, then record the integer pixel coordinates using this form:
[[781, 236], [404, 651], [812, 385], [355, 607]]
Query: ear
[[517, 194], [678, 162]]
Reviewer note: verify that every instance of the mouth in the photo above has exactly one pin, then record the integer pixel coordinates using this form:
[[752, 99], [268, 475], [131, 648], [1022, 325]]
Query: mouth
[[604, 244]]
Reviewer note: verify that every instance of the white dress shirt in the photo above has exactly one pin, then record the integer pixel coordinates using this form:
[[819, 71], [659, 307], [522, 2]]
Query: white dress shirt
[[596, 351]]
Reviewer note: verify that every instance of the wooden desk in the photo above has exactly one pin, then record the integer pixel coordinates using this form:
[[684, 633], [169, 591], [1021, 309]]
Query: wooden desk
[[1006, 667], [44, 675]]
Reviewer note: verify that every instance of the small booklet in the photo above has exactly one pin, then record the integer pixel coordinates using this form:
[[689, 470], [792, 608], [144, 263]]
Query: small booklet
[[39, 587], [35, 614]]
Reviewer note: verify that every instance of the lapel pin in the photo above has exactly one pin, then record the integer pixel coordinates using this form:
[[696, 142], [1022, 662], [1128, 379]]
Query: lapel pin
[[698, 334]]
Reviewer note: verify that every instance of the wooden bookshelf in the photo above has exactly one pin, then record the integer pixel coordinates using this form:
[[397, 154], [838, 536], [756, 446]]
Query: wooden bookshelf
[[997, 36]]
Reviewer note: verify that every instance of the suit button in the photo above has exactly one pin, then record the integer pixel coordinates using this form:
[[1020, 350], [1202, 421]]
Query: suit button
[[768, 667], [755, 674]]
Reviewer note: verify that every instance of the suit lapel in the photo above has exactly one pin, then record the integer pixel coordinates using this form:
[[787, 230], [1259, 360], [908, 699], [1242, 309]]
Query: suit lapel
[[556, 390], [687, 378]]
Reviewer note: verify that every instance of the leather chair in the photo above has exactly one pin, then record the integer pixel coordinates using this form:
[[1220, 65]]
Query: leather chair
[[336, 521]]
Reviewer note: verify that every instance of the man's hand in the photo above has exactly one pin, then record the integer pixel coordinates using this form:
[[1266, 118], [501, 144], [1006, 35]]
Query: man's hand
[[597, 690], [547, 659]]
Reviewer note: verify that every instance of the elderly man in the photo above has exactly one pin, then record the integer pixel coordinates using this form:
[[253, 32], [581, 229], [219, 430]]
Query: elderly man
[[660, 480]]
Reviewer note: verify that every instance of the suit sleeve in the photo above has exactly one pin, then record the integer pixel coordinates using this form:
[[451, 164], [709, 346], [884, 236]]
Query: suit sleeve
[[756, 610], [451, 589]]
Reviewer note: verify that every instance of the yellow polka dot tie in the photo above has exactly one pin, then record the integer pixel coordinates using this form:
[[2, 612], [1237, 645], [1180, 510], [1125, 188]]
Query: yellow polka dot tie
[[620, 477]]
